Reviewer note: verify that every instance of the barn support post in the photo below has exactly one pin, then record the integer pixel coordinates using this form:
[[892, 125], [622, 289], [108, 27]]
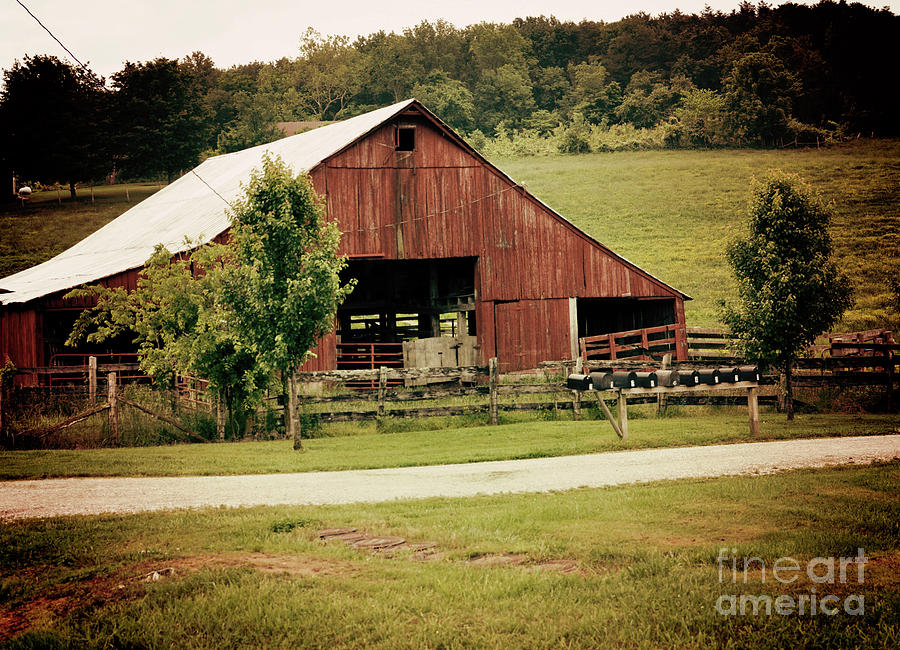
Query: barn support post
[[623, 415], [113, 398], [92, 380], [753, 409], [494, 381], [573, 327]]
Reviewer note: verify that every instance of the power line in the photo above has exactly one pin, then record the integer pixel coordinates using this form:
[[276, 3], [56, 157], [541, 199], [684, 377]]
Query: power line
[[212, 188], [86, 69]]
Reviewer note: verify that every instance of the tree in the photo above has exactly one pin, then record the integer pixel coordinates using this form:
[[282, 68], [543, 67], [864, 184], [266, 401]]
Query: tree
[[53, 122], [181, 325], [330, 73], [759, 96], [789, 290], [285, 287], [448, 98], [162, 117], [593, 94]]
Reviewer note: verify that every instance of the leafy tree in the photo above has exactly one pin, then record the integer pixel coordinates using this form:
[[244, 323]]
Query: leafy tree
[[391, 67], [593, 94], [331, 74], [178, 320], [53, 117], [789, 290], [503, 95], [759, 96], [162, 118], [448, 98], [700, 120], [285, 289]]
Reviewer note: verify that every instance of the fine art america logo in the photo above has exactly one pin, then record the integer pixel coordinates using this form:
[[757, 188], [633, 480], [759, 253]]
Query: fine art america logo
[[823, 573]]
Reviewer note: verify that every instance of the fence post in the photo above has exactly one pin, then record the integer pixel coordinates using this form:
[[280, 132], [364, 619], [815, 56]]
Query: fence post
[[623, 414], [113, 397], [661, 400], [92, 380], [753, 408], [494, 381], [576, 405], [296, 430], [220, 414], [382, 390]]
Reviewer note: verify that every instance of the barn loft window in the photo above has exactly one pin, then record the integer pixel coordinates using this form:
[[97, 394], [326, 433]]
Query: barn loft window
[[406, 138]]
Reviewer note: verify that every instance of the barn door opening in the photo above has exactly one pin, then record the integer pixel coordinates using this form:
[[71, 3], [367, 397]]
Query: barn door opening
[[412, 313]]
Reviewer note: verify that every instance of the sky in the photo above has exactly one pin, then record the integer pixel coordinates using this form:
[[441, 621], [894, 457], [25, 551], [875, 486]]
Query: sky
[[105, 33]]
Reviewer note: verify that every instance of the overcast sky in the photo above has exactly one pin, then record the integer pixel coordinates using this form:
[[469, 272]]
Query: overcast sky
[[106, 33]]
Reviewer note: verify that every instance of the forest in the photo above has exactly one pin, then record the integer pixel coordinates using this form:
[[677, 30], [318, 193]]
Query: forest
[[758, 76]]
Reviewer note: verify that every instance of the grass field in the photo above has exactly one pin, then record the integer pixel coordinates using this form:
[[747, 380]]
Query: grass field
[[671, 212], [620, 567], [417, 447], [44, 227]]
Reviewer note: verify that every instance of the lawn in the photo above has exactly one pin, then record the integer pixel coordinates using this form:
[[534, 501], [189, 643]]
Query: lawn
[[45, 227], [402, 448], [623, 566]]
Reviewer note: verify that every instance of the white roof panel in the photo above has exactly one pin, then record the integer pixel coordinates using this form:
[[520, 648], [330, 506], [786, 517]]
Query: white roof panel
[[188, 208]]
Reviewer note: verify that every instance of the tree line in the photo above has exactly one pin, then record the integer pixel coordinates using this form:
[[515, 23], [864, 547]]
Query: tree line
[[755, 76]]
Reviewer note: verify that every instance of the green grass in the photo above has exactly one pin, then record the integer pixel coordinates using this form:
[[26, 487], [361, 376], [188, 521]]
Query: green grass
[[673, 212], [409, 448], [44, 227], [618, 567]]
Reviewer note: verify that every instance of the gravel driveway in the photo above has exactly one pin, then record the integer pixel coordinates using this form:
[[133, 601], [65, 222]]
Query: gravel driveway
[[53, 497]]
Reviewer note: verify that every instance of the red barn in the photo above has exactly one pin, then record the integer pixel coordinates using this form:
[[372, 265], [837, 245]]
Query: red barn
[[451, 255]]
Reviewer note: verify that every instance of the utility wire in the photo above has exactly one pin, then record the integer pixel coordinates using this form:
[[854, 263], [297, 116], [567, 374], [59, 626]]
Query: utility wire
[[212, 188], [54, 37]]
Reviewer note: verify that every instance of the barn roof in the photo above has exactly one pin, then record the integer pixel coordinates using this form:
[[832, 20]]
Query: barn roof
[[194, 209]]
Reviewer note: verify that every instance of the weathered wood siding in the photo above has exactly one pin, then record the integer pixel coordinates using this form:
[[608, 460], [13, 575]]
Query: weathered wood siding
[[441, 201]]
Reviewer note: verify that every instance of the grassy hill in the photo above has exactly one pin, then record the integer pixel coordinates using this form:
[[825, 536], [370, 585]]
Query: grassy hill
[[671, 212]]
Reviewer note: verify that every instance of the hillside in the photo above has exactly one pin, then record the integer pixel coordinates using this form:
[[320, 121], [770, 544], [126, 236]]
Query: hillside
[[671, 212]]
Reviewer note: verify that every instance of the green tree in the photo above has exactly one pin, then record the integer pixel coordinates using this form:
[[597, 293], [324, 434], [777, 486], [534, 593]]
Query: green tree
[[162, 118], [700, 120], [331, 74], [181, 326], [789, 290], [285, 287], [503, 95], [53, 122], [448, 98], [593, 94], [759, 96]]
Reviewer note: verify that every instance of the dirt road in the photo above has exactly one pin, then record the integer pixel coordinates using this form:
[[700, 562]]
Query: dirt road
[[53, 497]]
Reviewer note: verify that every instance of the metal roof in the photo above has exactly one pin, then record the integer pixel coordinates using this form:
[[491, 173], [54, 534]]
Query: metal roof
[[195, 208]]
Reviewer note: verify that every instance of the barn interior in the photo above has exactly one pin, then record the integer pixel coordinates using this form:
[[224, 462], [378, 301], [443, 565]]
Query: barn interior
[[429, 304]]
